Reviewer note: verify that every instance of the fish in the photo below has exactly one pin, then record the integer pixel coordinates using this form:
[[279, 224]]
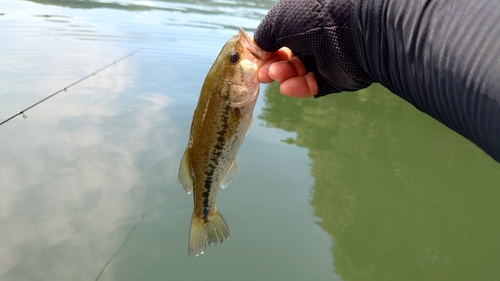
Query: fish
[[220, 123]]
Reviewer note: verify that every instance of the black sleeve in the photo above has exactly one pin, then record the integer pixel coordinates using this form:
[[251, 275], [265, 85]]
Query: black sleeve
[[443, 56]]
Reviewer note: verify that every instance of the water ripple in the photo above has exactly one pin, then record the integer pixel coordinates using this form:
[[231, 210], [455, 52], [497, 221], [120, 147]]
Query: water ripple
[[254, 9]]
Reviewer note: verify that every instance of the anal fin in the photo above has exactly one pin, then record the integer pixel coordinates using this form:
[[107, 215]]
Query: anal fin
[[232, 173]]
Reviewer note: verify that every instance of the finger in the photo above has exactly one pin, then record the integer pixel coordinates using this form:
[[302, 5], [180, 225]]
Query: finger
[[286, 69], [280, 55], [300, 86]]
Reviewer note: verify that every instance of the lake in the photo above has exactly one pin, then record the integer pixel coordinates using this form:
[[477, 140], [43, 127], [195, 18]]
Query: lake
[[351, 186]]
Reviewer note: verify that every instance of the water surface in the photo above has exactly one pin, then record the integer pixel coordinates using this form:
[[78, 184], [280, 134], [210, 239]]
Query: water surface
[[354, 186]]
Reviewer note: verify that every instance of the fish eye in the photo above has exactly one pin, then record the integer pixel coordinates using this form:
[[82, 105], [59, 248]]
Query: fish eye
[[234, 57]]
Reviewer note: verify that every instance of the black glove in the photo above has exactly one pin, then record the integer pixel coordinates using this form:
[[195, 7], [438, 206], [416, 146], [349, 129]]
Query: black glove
[[319, 33]]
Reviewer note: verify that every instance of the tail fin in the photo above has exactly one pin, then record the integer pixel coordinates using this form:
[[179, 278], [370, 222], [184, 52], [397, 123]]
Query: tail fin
[[211, 231]]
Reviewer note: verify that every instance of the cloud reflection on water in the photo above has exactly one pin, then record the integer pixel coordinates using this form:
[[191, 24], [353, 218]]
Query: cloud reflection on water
[[70, 176]]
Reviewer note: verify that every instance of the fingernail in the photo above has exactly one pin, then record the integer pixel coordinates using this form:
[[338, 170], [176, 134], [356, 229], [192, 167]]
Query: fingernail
[[269, 72]]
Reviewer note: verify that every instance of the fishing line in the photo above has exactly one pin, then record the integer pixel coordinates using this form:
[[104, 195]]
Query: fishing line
[[65, 89], [121, 247]]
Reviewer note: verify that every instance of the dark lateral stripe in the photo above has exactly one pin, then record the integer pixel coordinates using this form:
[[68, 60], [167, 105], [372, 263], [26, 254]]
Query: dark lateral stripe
[[216, 152]]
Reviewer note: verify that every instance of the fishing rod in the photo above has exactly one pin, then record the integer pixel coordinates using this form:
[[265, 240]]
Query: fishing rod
[[65, 89]]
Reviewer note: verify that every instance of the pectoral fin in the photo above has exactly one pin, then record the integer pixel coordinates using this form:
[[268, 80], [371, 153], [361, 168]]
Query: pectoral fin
[[249, 125], [185, 174], [233, 172]]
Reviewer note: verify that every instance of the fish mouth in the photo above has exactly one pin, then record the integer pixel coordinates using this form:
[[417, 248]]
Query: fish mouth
[[246, 90], [252, 52]]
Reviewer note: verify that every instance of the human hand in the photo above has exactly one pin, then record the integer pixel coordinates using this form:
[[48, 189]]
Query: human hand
[[319, 35], [290, 72]]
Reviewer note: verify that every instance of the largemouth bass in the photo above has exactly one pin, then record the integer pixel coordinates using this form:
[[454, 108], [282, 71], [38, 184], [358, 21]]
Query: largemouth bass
[[220, 122]]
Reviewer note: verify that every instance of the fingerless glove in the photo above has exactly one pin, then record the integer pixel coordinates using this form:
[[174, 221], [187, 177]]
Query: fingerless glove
[[320, 34]]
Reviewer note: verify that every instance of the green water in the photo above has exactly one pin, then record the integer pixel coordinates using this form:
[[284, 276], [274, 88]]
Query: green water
[[353, 186]]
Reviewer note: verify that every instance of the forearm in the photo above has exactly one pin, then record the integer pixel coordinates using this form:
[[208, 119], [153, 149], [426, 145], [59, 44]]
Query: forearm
[[441, 56]]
